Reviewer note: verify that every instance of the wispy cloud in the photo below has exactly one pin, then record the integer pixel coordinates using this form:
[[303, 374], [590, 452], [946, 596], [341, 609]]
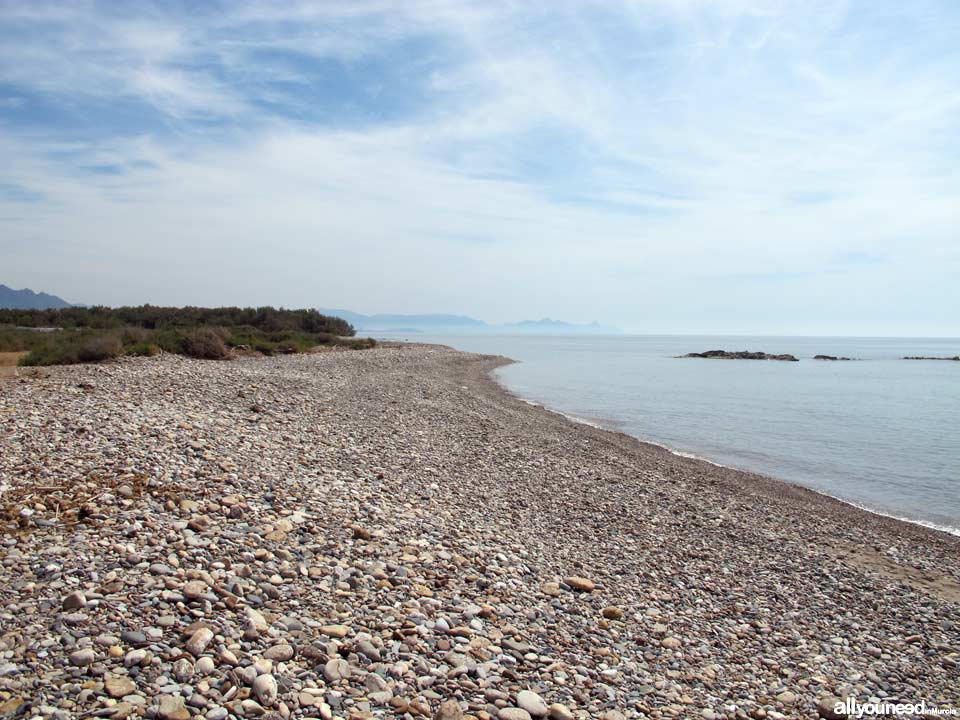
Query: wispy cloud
[[588, 159]]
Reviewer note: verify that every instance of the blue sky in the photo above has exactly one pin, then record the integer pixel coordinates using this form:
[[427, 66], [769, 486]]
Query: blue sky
[[663, 165]]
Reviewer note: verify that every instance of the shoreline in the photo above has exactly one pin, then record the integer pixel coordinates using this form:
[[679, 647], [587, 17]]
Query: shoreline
[[379, 534], [806, 498], [599, 425]]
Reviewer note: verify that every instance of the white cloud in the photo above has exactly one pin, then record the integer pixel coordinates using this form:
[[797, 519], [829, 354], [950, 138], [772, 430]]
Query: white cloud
[[596, 161]]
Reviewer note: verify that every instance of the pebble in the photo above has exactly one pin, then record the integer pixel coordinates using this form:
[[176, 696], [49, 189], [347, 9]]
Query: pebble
[[265, 688], [280, 652], [580, 584], [83, 657], [198, 641], [532, 703], [172, 708], [336, 670], [449, 710], [194, 589], [74, 601], [513, 713], [118, 686], [335, 631]]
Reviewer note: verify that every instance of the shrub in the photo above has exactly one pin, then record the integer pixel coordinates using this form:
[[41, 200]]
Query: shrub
[[70, 347], [204, 343], [133, 335], [143, 349], [99, 333], [16, 340], [150, 317], [100, 347]]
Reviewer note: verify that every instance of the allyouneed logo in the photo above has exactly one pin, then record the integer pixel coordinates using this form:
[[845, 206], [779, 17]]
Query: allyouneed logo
[[851, 708]]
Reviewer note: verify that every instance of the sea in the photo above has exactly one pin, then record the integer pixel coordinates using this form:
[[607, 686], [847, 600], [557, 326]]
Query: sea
[[879, 432]]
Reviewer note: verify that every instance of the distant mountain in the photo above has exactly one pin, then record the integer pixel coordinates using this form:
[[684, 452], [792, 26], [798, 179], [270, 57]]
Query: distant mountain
[[440, 323], [407, 323], [27, 299], [546, 325]]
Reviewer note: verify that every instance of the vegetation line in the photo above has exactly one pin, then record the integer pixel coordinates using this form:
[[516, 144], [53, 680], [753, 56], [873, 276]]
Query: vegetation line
[[79, 335]]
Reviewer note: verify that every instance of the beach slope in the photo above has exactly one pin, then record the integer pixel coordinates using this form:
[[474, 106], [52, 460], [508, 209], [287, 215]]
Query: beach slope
[[379, 533]]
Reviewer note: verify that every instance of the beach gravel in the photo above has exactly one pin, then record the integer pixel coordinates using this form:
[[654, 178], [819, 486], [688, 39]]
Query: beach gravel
[[387, 533]]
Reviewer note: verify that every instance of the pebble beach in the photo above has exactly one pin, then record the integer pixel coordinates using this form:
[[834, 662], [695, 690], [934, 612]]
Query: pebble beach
[[389, 533]]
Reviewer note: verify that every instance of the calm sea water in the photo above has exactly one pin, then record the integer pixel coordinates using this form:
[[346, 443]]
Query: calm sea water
[[882, 432]]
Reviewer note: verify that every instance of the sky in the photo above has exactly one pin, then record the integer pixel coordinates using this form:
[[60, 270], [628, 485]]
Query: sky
[[666, 166]]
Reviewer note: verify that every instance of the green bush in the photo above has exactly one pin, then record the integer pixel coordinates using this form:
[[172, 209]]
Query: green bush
[[143, 349], [96, 334], [150, 317], [70, 347], [99, 348], [134, 335], [205, 343], [16, 340]]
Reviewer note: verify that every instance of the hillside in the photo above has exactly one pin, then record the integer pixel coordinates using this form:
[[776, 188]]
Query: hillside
[[27, 299]]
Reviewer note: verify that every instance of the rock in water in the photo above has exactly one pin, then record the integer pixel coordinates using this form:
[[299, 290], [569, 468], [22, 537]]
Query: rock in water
[[740, 355]]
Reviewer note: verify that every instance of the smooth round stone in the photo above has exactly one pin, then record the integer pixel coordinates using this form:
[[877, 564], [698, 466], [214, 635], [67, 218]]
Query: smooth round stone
[[74, 601], [117, 686], [336, 670], [279, 653], [198, 641], [513, 713], [532, 703], [449, 710], [133, 637], [82, 658], [580, 584], [194, 589], [266, 690], [612, 612], [335, 631]]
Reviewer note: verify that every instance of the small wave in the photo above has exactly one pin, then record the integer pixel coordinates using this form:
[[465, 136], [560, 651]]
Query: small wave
[[689, 455], [572, 418], [949, 529], [582, 421]]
